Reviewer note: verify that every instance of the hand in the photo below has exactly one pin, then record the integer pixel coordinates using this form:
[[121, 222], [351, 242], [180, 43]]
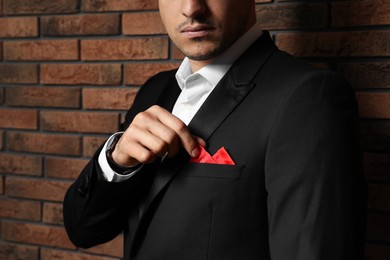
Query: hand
[[152, 134]]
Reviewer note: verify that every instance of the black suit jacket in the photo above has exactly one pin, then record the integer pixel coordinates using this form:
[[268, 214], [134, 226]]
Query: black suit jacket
[[296, 191]]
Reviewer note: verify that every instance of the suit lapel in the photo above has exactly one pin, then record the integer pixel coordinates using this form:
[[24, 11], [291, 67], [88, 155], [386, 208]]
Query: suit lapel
[[232, 89], [169, 95], [221, 102], [226, 96]]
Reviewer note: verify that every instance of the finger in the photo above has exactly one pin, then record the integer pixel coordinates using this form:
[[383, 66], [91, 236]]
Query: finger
[[151, 142], [129, 154], [188, 142], [167, 135], [142, 154], [200, 141]]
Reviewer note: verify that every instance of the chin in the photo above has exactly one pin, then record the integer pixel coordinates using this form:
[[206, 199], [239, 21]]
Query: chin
[[200, 57], [204, 53]]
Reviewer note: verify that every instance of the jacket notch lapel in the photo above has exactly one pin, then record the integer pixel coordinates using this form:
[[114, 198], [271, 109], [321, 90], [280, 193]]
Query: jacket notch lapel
[[221, 102], [169, 95], [233, 87]]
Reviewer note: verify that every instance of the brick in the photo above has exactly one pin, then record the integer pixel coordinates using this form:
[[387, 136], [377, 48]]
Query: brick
[[108, 98], [119, 5], [49, 254], [36, 234], [64, 168], [84, 24], [292, 16], [81, 122], [125, 49], [52, 213], [374, 105], [12, 164], [91, 144], [18, 118], [19, 209], [18, 252], [113, 248], [44, 143], [41, 50], [18, 73], [33, 188], [377, 252], [375, 137], [335, 44], [1, 51], [138, 73], [366, 74], [81, 74], [378, 226], [134, 23], [378, 198], [19, 27], [64, 97], [376, 166], [361, 13], [39, 6]]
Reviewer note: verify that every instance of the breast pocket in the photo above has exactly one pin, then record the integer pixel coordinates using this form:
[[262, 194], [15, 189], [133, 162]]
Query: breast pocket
[[215, 171]]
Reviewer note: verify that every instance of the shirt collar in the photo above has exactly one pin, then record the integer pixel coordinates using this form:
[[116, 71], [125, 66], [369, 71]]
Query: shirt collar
[[215, 71]]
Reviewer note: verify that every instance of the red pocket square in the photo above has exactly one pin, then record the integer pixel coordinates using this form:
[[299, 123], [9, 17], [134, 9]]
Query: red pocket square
[[220, 157]]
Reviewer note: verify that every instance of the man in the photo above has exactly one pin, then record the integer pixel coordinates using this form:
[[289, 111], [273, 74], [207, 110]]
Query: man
[[284, 180]]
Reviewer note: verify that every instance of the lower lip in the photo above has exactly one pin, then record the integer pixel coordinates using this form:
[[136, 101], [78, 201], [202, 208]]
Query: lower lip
[[196, 34]]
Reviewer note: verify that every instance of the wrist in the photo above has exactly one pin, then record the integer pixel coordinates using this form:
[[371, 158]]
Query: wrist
[[114, 164]]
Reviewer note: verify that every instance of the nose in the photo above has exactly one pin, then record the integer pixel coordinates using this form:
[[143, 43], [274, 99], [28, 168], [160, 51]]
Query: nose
[[193, 8]]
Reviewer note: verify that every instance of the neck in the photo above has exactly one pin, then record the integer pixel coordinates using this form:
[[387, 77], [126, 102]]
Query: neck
[[198, 64]]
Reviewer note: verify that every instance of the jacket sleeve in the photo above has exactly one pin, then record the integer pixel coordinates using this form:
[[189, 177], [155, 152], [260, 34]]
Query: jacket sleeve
[[95, 211], [315, 185]]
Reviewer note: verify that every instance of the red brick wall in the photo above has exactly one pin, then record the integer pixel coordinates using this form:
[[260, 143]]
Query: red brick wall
[[69, 69]]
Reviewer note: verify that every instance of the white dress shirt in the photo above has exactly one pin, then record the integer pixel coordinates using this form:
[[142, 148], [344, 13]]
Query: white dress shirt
[[196, 87]]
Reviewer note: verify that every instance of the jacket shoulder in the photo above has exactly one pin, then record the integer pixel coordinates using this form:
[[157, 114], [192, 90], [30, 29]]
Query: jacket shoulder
[[287, 72], [160, 78]]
